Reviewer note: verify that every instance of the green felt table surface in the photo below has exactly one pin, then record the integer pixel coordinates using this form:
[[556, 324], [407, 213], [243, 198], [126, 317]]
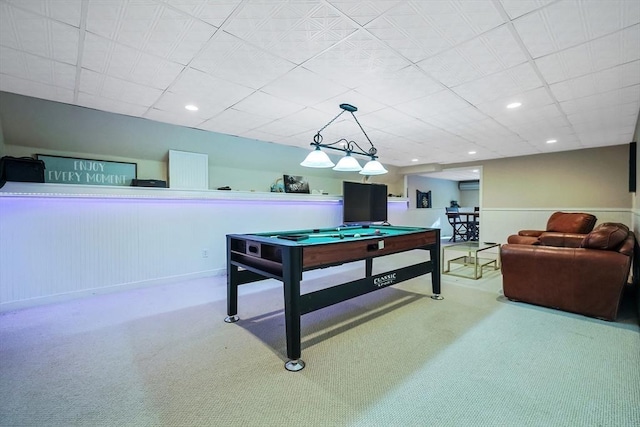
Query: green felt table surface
[[331, 235]]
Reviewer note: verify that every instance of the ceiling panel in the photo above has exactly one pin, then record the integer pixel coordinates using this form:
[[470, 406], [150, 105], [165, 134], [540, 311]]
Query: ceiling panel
[[431, 79]]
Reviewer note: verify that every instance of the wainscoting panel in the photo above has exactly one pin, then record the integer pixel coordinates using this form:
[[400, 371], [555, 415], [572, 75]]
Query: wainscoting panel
[[55, 248]]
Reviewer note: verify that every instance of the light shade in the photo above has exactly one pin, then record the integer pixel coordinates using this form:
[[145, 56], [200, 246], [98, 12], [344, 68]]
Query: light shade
[[317, 159], [348, 164], [373, 167]]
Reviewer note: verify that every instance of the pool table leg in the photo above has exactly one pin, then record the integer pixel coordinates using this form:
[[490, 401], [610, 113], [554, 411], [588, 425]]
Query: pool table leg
[[232, 294], [292, 275], [435, 273]]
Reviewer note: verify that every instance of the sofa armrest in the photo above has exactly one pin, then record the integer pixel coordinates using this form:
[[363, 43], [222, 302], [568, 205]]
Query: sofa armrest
[[530, 233], [517, 239], [579, 280], [563, 240]]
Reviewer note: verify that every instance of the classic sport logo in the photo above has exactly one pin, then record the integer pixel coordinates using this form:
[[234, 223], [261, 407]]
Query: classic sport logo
[[386, 280]]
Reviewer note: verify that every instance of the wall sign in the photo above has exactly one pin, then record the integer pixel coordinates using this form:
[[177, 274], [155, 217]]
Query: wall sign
[[72, 170], [423, 200]]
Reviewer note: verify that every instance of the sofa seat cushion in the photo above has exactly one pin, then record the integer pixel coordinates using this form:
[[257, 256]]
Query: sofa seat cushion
[[607, 236], [523, 240]]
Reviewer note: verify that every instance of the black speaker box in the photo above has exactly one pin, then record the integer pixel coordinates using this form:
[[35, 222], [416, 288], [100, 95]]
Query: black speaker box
[[148, 183], [21, 169]]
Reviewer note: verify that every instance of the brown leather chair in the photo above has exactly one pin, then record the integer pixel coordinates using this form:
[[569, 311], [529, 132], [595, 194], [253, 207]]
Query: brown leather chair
[[588, 280], [563, 229]]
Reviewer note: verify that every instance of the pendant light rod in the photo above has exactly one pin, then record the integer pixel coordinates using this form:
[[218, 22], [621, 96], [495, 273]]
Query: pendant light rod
[[349, 145], [318, 159]]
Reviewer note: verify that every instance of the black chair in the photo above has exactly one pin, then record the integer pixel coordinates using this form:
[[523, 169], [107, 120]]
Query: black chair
[[460, 227], [475, 235]]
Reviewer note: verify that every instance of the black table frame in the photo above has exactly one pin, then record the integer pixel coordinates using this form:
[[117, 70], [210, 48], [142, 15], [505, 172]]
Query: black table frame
[[253, 257]]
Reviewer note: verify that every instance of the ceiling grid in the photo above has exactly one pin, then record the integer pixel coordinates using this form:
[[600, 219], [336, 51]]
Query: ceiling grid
[[431, 79]]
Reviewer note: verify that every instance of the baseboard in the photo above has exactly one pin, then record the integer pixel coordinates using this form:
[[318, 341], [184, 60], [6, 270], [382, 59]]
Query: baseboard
[[84, 293]]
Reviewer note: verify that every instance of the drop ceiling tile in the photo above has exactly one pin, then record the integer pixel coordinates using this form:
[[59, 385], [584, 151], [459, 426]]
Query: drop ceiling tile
[[419, 29], [296, 30], [486, 54], [99, 102], [36, 69], [533, 117], [177, 37], [266, 105], [105, 17], [67, 11], [625, 96], [599, 82], [234, 122], [207, 92], [400, 86], [25, 87], [363, 103], [393, 35], [415, 131], [38, 35], [8, 33], [539, 132], [462, 118], [530, 100], [180, 118], [171, 102], [517, 8], [606, 52], [215, 13], [117, 60], [432, 105], [310, 119], [235, 60], [283, 128], [568, 23], [304, 87], [101, 85], [508, 83], [358, 60], [365, 11], [383, 118], [150, 26]]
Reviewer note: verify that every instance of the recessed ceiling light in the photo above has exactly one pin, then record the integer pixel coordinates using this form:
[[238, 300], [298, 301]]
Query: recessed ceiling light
[[551, 141], [514, 105], [191, 107], [414, 160], [475, 171], [472, 152]]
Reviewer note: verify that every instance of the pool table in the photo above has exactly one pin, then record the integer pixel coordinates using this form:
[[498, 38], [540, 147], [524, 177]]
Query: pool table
[[285, 255]]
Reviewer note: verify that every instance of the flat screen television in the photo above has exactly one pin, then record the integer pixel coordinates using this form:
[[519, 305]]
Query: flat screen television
[[363, 203]]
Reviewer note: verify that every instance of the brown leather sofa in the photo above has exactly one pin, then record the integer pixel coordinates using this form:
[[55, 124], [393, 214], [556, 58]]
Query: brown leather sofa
[[563, 229], [588, 280]]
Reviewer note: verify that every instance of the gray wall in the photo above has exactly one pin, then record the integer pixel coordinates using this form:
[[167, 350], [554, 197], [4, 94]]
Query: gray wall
[[33, 126]]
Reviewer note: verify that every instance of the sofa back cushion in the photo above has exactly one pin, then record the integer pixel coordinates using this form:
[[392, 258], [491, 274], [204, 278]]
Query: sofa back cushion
[[570, 222], [606, 236]]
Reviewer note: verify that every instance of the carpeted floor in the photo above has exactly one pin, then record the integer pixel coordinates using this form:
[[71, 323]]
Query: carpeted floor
[[164, 357]]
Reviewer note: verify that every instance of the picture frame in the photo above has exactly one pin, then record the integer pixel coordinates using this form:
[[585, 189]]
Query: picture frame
[[423, 199], [295, 184], [78, 170]]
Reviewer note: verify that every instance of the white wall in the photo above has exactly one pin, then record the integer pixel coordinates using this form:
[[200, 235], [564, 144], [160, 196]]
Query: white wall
[[59, 247]]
